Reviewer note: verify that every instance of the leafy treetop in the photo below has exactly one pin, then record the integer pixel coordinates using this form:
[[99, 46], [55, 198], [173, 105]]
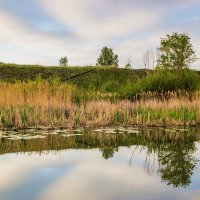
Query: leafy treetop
[[176, 52], [107, 58], [63, 62]]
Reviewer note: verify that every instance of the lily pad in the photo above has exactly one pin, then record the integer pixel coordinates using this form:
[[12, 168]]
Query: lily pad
[[77, 130], [171, 130], [98, 130], [183, 130], [49, 133], [133, 131], [71, 135], [63, 131]]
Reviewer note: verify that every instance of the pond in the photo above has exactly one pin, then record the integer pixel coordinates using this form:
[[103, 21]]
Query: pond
[[103, 164]]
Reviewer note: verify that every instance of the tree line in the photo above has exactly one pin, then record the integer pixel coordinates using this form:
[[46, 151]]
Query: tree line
[[175, 53]]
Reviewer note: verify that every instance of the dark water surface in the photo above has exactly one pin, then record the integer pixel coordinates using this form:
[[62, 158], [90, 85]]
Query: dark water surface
[[109, 164]]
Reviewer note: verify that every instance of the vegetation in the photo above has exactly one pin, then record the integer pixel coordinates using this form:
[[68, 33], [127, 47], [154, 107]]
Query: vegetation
[[99, 96], [107, 58], [128, 65], [54, 104], [176, 52], [163, 81], [98, 79], [63, 62]]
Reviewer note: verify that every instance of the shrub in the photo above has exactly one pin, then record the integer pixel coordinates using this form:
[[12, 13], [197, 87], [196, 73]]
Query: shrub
[[163, 80], [159, 81], [110, 86], [188, 80]]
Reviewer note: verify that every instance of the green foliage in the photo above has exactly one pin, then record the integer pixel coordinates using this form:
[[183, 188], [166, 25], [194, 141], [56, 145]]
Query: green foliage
[[160, 82], [110, 86], [128, 66], [8, 117], [176, 52], [163, 80], [92, 81], [107, 58], [188, 80], [108, 151], [123, 83], [130, 90], [177, 163], [63, 62], [24, 115]]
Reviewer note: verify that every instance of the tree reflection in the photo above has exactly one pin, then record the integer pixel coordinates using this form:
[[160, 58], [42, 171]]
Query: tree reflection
[[108, 152], [176, 163], [172, 149]]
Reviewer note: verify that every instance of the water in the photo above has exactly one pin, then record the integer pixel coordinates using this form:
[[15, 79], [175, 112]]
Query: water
[[100, 165]]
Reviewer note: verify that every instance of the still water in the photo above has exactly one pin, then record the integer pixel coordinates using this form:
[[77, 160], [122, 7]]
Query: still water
[[103, 164]]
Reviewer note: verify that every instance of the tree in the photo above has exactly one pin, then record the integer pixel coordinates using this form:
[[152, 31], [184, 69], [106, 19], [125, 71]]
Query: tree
[[176, 52], [63, 62], [107, 58], [148, 59], [128, 64]]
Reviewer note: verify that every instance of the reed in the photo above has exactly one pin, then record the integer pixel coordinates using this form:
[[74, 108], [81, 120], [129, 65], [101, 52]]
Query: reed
[[54, 104]]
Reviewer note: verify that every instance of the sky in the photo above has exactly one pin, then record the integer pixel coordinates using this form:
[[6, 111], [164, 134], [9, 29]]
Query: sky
[[41, 31]]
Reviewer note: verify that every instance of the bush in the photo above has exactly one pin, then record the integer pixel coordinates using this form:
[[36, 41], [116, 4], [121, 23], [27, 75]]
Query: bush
[[130, 90], [162, 81], [188, 80], [159, 81], [110, 86]]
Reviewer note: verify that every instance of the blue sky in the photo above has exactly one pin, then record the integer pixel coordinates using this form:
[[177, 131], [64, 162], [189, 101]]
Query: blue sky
[[41, 31]]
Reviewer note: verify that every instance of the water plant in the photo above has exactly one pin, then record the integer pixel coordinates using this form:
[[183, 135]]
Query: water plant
[[54, 104]]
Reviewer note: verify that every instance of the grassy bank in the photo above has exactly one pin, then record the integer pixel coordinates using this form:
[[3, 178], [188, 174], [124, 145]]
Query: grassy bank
[[101, 78], [54, 104], [55, 97]]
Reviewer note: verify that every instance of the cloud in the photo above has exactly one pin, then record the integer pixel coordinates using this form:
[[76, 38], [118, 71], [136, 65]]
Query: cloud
[[42, 31], [99, 19]]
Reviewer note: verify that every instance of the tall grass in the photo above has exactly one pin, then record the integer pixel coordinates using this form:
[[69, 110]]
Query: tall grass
[[54, 104]]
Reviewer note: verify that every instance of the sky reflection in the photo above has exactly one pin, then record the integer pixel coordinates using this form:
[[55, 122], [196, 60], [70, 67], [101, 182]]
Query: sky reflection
[[78, 174]]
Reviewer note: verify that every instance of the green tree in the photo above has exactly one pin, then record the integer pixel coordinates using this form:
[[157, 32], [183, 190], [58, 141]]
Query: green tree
[[63, 62], [176, 52], [128, 64], [107, 58]]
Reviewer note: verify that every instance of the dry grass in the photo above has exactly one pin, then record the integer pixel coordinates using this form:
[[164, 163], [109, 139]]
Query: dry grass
[[50, 104], [35, 93]]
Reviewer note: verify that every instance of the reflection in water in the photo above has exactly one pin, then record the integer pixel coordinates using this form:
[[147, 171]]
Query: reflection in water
[[108, 152], [176, 163], [168, 152], [175, 156]]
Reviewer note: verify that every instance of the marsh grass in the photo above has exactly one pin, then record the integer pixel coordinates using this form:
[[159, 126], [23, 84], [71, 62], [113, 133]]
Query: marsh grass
[[54, 104]]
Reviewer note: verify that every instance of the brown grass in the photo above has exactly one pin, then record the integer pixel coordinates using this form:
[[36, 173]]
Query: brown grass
[[50, 104]]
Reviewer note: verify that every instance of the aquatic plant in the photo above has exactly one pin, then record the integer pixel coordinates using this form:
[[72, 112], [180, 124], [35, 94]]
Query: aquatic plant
[[54, 104]]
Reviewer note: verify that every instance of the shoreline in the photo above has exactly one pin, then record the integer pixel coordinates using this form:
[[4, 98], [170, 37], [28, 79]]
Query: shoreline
[[93, 128]]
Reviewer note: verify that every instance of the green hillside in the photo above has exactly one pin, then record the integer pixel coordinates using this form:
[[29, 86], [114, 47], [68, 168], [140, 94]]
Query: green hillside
[[93, 77]]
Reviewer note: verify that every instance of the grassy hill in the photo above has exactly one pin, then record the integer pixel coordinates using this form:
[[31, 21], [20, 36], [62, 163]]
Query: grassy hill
[[93, 77], [105, 79]]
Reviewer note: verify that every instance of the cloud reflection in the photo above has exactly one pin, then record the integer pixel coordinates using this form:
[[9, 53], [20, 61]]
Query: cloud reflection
[[76, 174]]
